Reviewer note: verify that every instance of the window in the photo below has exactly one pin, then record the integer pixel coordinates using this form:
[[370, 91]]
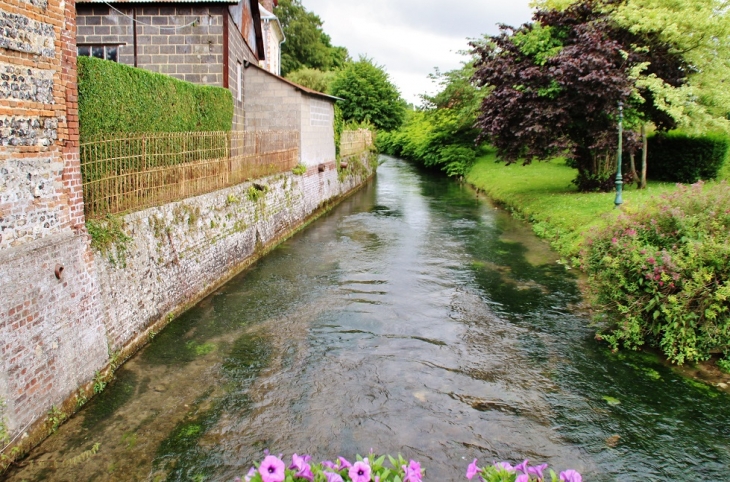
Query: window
[[107, 52], [239, 82]]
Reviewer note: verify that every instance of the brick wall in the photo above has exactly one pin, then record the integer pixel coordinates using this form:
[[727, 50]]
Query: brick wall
[[51, 335]]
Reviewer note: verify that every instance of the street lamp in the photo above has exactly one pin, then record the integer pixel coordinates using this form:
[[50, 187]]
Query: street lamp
[[619, 177]]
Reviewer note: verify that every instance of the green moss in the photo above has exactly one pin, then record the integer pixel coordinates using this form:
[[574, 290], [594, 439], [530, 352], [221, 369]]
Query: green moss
[[108, 238]]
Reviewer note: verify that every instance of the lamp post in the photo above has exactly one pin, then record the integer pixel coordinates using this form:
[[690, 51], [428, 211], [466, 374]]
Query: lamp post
[[619, 177]]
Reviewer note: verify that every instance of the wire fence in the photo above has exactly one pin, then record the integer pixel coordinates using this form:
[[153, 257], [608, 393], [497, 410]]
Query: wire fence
[[355, 142], [138, 171]]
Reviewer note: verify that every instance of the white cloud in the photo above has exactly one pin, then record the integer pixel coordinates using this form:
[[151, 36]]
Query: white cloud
[[411, 37]]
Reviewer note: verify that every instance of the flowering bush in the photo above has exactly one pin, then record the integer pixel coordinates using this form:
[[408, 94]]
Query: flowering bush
[[273, 469], [661, 274], [504, 472]]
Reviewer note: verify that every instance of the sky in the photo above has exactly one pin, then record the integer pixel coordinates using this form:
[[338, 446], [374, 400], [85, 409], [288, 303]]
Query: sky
[[412, 37]]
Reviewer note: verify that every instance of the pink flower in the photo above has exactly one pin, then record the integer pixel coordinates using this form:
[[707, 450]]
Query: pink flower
[[413, 472], [472, 470], [250, 475], [343, 463], [570, 476], [504, 466], [272, 469], [298, 463], [523, 478], [331, 477], [360, 472]]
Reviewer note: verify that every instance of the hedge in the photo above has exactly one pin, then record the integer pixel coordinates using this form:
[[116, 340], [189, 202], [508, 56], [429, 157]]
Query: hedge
[[678, 157], [115, 98]]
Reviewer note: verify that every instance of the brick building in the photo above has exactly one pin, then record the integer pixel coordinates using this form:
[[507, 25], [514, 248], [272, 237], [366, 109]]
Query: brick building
[[201, 41], [51, 335]]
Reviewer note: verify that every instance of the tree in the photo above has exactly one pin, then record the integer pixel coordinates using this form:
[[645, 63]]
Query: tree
[[368, 95], [557, 83], [306, 43], [314, 79], [698, 31]]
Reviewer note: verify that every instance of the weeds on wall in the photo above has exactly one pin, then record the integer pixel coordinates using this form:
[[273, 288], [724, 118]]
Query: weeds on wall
[[299, 170], [108, 238], [4, 434]]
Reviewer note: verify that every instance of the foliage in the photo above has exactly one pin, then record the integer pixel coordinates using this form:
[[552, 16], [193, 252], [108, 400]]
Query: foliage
[[4, 434], [661, 277], [368, 95], [505, 472], [306, 43], [443, 134], [314, 79], [338, 125], [299, 169], [108, 238], [56, 417], [680, 157], [116, 98], [556, 85], [696, 30], [724, 365]]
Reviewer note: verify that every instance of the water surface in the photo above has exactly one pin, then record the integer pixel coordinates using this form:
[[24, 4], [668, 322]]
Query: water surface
[[414, 318]]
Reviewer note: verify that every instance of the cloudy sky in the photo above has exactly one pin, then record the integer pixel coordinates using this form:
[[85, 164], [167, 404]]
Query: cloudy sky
[[411, 37]]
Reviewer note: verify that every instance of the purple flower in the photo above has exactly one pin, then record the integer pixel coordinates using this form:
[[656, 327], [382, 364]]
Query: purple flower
[[360, 472], [570, 476], [537, 470], [523, 478], [522, 467], [298, 462], [344, 464], [305, 473], [272, 469], [413, 472], [332, 477], [472, 470], [504, 466], [329, 464], [250, 474]]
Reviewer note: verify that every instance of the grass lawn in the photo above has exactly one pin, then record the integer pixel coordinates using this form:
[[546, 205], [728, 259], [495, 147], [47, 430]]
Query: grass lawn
[[542, 193]]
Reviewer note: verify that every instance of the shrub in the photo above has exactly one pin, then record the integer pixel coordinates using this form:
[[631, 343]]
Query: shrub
[[678, 157], [116, 98], [314, 79], [661, 274]]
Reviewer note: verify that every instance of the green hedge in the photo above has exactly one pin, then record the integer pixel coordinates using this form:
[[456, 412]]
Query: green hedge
[[116, 98], [678, 157]]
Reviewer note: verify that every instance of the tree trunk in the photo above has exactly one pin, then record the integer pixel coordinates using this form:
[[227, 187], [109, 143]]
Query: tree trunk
[[632, 168], [644, 150]]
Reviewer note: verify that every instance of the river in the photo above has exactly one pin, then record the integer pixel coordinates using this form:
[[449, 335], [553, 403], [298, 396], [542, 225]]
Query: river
[[414, 318]]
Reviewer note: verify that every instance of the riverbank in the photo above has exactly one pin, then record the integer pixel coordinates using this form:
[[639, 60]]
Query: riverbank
[[542, 193]]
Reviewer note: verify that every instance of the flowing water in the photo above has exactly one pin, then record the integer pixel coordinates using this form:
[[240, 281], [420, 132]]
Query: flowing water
[[414, 319]]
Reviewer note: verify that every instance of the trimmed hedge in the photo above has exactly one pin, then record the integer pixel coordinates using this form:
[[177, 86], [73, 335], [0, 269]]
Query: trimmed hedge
[[678, 157], [116, 98]]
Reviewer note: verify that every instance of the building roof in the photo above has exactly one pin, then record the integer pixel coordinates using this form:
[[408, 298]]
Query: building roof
[[301, 88], [266, 15]]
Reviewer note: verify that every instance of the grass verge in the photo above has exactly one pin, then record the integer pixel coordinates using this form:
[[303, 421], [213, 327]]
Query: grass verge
[[542, 193]]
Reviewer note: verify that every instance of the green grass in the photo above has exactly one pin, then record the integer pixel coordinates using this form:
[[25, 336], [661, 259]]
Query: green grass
[[542, 194]]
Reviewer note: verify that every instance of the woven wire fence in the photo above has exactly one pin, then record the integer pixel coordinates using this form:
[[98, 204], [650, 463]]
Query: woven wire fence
[[355, 142], [138, 171]]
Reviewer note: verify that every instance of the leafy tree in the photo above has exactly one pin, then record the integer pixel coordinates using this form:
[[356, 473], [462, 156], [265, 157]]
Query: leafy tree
[[556, 85], [368, 95], [698, 31], [306, 43], [315, 79]]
